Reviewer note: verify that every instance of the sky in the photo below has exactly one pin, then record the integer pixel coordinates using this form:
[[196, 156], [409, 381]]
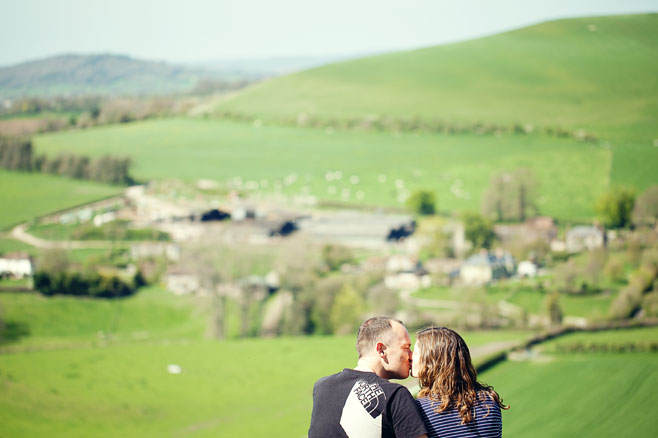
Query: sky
[[191, 31]]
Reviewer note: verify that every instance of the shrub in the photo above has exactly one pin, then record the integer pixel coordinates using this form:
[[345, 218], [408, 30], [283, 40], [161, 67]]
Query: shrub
[[478, 230], [615, 207], [422, 202], [335, 256], [83, 284]]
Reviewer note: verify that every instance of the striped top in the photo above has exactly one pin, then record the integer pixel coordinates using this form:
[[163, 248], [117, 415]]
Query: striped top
[[447, 424]]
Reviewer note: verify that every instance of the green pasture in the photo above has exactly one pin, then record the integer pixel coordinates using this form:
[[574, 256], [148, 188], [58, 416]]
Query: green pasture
[[590, 306], [595, 73], [603, 395], [82, 367], [13, 245], [53, 322], [24, 196], [119, 230], [375, 168], [621, 336]]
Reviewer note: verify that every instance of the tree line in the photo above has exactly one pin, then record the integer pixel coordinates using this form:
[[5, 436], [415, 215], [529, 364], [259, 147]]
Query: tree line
[[90, 284], [18, 154], [417, 124]]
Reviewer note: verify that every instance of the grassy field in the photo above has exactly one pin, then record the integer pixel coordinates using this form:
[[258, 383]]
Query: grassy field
[[593, 306], [64, 378], [597, 73], [27, 195], [574, 395], [12, 245], [98, 367], [376, 168]]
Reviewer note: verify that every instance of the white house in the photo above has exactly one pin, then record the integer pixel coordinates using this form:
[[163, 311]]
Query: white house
[[486, 267], [527, 269], [584, 238], [16, 265]]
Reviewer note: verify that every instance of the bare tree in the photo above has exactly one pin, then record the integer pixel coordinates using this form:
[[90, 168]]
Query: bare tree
[[510, 196]]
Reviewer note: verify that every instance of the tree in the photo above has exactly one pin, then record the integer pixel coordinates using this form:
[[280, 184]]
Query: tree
[[615, 207], [422, 202], [335, 256], [553, 308], [346, 310], [646, 207], [510, 196], [478, 229]]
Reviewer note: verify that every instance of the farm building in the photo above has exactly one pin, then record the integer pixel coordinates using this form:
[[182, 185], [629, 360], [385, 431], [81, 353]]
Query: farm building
[[357, 228], [406, 273], [584, 238], [486, 267], [147, 250], [16, 265], [532, 230]]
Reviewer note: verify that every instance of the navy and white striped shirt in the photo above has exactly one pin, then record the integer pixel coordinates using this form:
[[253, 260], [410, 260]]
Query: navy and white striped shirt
[[447, 424]]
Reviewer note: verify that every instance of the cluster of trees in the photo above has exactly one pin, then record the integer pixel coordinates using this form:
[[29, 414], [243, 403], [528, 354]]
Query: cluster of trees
[[510, 196], [18, 154], [85, 284], [641, 292], [619, 207], [88, 111], [580, 347], [39, 105], [56, 275], [417, 124], [317, 293]]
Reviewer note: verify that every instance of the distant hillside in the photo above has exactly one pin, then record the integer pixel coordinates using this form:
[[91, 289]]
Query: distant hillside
[[599, 73], [96, 74]]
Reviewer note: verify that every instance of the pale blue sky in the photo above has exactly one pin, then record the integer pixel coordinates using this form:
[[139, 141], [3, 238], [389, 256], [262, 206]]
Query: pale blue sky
[[207, 30]]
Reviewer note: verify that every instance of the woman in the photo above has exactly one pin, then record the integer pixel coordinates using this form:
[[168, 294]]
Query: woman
[[451, 400]]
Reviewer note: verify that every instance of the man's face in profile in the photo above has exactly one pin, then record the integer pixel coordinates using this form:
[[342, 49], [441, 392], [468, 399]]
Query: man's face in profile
[[398, 352]]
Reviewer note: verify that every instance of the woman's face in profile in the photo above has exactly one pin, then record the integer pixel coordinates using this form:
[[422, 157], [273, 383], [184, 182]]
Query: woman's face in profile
[[415, 360]]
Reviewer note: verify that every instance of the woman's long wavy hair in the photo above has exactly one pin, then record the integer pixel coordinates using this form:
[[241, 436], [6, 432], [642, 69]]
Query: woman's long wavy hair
[[446, 374]]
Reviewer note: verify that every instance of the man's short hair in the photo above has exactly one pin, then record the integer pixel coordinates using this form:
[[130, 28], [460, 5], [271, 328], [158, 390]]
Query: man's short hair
[[378, 328]]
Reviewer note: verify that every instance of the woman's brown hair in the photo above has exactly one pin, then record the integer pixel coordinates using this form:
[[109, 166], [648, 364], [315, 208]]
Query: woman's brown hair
[[446, 374]]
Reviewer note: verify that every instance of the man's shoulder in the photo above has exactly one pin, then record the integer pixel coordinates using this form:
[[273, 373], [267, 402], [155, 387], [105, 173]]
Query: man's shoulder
[[351, 375]]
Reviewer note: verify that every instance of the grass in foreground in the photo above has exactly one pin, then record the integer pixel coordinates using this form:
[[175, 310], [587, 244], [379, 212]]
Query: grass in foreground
[[605, 395], [61, 379]]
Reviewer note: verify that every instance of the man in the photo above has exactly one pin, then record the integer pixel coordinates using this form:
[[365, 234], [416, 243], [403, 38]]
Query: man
[[361, 402]]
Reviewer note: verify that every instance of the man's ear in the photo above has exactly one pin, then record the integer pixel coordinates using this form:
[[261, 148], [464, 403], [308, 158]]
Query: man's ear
[[381, 349]]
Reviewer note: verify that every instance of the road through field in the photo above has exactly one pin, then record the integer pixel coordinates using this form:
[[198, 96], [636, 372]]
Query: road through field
[[19, 233]]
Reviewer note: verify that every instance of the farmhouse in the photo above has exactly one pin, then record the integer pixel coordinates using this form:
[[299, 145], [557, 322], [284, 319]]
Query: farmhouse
[[532, 230], [406, 273], [16, 265], [147, 250], [486, 266], [584, 238], [357, 228]]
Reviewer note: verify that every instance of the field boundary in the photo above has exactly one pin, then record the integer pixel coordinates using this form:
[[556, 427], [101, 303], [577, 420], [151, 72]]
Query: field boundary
[[501, 356]]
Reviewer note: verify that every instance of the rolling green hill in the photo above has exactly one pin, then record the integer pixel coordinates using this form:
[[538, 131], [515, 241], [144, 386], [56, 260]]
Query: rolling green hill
[[598, 73], [95, 74]]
